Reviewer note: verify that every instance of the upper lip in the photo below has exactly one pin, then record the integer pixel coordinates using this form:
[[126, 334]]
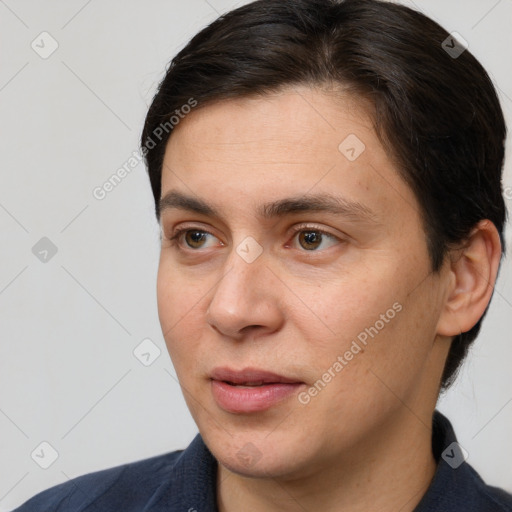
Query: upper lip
[[249, 375]]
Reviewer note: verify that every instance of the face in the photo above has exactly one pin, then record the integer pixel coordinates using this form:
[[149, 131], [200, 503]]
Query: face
[[294, 287]]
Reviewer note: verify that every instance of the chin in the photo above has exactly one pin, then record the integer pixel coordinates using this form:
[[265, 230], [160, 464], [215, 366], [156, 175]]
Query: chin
[[255, 456], [254, 467]]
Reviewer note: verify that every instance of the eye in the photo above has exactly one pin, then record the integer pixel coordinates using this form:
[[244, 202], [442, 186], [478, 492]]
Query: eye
[[311, 238], [193, 238]]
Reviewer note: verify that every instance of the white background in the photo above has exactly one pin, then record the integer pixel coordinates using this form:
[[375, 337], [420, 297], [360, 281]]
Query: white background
[[68, 327]]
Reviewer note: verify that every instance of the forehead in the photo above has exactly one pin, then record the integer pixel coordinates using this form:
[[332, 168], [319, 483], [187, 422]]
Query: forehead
[[288, 143], [292, 121]]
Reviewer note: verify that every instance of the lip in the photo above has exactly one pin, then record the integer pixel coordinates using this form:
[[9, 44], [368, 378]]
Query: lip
[[249, 375], [231, 393]]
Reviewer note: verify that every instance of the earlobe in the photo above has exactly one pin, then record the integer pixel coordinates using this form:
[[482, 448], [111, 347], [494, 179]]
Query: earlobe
[[473, 271]]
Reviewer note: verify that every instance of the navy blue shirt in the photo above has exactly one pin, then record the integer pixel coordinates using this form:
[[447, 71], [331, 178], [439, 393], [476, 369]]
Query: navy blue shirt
[[185, 481]]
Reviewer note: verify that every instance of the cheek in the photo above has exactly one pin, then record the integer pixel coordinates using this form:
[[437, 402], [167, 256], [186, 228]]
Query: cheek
[[370, 365], [372, 318], [177, 295], [346, 307], [179, 303], [388, 350]]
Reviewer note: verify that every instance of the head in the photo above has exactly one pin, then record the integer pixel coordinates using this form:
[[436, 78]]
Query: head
[[269, 120]]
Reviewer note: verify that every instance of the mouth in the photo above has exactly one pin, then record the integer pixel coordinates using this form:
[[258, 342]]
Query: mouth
[[251, 389], [250, 377]]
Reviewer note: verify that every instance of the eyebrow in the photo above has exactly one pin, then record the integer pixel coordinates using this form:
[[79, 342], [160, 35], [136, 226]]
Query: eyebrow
[[300, 204]]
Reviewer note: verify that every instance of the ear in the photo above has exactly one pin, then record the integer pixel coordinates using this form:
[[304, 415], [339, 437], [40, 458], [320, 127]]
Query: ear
[[472, 275]]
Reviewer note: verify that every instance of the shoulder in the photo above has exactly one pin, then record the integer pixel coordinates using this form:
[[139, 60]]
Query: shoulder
[[127, 487], [462, 489], [172, 481], [488, 498], [456, 486]]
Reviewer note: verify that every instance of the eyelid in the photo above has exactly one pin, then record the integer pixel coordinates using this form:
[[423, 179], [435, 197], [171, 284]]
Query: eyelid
[[176, 233], [311, 227], [298, 228]]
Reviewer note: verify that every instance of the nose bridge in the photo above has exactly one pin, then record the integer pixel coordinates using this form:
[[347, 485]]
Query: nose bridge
[[239, 284], [246, 262], [242, 297]]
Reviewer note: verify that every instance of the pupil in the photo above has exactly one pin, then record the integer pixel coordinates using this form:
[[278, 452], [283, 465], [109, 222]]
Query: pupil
[[195, 237], [311, 237]]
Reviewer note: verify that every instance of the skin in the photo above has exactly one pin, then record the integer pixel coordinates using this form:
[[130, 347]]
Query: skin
[[364, 441]]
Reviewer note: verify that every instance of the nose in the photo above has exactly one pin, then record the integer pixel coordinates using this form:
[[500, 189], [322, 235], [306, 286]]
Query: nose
[[246, 300]]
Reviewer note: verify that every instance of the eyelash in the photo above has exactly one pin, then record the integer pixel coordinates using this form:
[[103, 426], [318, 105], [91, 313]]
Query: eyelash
[[299, 229]]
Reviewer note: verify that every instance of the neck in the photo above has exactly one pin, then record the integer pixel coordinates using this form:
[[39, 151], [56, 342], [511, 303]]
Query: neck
[[390, 472]]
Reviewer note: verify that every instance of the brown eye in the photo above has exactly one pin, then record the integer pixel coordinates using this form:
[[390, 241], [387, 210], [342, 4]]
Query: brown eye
[[310, 240], [195, 238], [191, 238]]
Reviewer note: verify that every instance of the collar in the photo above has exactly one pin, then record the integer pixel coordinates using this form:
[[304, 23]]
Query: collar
[[455, 486]]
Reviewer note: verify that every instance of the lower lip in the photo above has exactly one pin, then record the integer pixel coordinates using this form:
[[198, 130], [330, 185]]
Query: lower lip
[[237, 399]]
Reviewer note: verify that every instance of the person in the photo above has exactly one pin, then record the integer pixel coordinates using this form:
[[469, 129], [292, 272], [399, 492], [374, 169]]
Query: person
[[327, 178]]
